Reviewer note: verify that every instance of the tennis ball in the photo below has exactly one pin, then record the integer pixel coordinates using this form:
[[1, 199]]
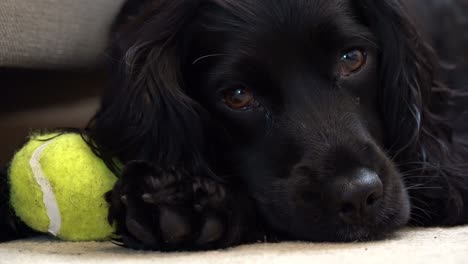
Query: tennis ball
[[57, 186]]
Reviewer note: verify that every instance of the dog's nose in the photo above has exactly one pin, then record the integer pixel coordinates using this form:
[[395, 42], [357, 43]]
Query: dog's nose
[[358, 195]]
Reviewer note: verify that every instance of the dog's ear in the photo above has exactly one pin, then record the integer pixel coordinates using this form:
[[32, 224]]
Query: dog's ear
[[406, 71], [414, 107], [145, 114]]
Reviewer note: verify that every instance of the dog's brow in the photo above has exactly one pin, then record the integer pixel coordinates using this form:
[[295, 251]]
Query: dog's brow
[[206, 56]]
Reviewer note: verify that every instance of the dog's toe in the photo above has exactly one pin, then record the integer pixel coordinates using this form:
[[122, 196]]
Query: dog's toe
[[153, 210]]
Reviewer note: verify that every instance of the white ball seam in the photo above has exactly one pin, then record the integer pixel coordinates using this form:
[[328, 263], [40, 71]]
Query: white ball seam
[[50, 202]]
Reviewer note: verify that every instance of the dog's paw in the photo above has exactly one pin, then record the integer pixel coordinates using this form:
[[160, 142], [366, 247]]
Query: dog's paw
[[166, 209]]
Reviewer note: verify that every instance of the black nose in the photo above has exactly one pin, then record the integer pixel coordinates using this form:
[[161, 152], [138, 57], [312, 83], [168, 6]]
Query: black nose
[[357, 195]]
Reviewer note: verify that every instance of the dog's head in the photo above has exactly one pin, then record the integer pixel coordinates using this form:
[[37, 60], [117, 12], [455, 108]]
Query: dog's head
[[308, 104]]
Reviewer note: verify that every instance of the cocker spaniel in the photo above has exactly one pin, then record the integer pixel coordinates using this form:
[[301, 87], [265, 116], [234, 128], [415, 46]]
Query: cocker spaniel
[[232, 121]]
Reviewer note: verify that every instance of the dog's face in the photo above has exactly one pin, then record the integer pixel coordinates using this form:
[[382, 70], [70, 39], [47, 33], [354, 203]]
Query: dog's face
[[292, 89], [313, 108]]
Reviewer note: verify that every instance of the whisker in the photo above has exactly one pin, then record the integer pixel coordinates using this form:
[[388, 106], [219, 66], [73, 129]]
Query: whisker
[[422, 210], [415, 219], [424, 188], [409, 176], [420, 201], [207, 56]]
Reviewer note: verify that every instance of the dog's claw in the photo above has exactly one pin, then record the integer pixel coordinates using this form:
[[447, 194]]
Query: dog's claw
[[148, 198], [124, 199]]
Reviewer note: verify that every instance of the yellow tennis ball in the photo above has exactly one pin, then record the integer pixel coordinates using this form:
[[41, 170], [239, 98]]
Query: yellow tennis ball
[[58, 185]]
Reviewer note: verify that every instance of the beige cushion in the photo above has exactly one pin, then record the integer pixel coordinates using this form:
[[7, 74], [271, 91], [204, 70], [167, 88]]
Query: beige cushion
[[413, 246], [54, 33]]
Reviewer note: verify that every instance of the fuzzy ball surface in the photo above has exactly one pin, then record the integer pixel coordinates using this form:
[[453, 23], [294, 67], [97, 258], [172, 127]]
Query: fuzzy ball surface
[[58, 185]]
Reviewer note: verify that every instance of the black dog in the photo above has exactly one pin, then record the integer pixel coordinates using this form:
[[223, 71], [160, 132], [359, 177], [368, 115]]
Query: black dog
[[317, 120]]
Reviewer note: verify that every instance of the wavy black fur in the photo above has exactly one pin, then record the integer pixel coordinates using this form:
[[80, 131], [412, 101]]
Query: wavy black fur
[[154, 112], [196, 175]]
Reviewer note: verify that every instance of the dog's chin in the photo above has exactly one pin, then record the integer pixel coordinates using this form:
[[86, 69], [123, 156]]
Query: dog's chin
[[328, 229], [366, 233], [381, 229], [352, 233]]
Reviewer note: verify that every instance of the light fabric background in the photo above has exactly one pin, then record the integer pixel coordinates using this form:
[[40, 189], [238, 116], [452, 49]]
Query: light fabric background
[[412, 246], [54, 33]]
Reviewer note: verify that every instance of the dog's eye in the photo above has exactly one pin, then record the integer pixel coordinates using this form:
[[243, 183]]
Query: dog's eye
[[352, 61], [239, 98]]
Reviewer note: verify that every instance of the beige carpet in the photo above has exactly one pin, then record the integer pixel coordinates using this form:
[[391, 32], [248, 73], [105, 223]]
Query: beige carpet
[[413, 246]]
